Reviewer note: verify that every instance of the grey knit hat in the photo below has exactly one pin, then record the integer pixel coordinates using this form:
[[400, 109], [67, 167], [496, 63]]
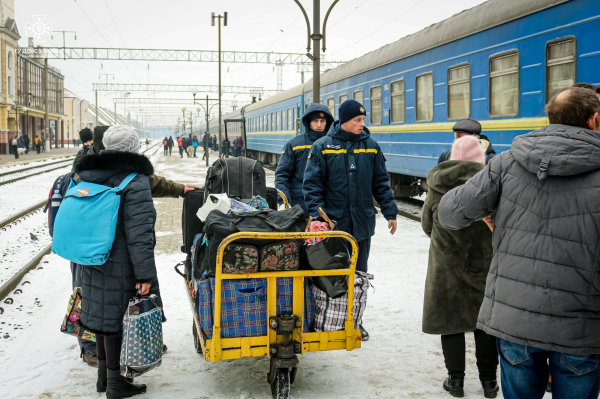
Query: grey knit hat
[[121, 138]]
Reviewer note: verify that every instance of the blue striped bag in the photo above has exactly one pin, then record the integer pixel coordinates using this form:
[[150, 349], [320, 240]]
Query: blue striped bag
[[244, 306]]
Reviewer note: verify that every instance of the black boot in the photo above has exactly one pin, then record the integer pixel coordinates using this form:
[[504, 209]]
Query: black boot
[[118, 387], [490, 388], [455, 386], [101, 383]]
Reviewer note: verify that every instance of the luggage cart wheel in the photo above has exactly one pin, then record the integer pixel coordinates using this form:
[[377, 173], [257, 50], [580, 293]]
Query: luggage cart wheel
[[280, 388], [197, 343]]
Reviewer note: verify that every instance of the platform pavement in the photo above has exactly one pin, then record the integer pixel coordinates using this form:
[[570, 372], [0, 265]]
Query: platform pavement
[[7, 159]]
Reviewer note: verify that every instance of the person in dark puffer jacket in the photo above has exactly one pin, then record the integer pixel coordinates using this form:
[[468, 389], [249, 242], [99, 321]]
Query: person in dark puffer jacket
[[107, 289], [290, 170], [542, 297]]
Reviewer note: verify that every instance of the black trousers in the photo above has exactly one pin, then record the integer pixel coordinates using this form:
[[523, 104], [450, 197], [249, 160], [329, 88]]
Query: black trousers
[[108, 347], [453, 346]]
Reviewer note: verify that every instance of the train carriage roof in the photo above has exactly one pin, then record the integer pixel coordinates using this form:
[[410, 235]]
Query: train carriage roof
[[484, 16]]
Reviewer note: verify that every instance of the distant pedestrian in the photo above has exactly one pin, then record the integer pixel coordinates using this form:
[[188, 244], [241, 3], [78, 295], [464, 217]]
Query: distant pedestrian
[[165, 146], [456, 278], [27, 141], [238, 144], [195, 144], [189, 147], [207, 144], [171, 144], [542, 298], [22, 144], [37, 142], [42, 143], [180, 144], [215, 143], [14, 143]]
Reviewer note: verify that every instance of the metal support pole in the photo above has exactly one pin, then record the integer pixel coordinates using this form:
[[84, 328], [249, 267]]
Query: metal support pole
[[219, 138], [316, 37], [46, 112], [115, 113], [96, 107], [208, 131]]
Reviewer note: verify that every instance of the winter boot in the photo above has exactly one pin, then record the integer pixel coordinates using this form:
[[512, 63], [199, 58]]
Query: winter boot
[[101, 382], [455, 386], [363, 333], [490, 388], [89, 358], [118, 387]]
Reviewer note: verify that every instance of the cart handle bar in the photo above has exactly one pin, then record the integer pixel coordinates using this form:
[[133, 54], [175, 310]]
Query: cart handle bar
[[286, 203]]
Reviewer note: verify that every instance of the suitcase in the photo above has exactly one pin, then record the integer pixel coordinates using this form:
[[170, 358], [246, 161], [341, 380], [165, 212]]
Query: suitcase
[[239, 178], [190, 224]]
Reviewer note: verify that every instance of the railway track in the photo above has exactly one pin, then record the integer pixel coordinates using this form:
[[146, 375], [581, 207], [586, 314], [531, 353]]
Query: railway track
[[10, 172], [7, 288]]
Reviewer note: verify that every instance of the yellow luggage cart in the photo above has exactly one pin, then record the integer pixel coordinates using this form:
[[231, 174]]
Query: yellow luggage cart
[[285, 338]]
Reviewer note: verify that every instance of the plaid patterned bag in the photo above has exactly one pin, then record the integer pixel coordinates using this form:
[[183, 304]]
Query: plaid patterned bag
[[330, 313], [71, 324], [244, 306]]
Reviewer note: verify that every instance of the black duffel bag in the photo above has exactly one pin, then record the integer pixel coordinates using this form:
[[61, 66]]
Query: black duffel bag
[[329, 254], [252, 255]]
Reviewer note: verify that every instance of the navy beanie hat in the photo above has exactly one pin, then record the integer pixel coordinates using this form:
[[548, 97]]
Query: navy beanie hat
[[350, 109]]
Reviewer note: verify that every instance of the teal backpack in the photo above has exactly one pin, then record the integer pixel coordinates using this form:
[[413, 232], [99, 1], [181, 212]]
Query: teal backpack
[[84, 228]]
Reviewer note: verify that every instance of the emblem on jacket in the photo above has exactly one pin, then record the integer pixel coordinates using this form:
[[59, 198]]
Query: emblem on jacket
[[334, 147]]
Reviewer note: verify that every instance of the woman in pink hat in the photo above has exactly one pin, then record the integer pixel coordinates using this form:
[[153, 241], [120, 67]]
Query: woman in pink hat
[[459, 261]]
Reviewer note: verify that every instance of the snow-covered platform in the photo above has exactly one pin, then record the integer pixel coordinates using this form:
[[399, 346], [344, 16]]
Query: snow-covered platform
[[399, 361]]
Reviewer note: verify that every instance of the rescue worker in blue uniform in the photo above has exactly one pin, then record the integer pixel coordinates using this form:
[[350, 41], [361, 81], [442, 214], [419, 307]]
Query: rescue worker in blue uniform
[[345, 170], [290, 171]]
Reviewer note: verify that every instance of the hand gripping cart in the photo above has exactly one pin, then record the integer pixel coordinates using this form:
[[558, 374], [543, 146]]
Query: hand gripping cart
[[285, 338]]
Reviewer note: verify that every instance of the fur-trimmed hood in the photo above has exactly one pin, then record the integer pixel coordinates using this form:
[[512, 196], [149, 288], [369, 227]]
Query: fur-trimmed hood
[[116, 161]]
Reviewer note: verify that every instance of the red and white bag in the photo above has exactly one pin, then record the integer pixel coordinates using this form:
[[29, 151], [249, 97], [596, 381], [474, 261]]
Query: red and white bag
[[330, 313]]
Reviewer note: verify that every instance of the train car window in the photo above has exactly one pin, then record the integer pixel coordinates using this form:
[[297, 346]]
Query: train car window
[[331, 105], [424, 88], [358, 96], [376, 105], [343, 98], [289, 119], [561, 67], [296, 122], [504, 85], [282, 120], [459, 92], [397, 94]]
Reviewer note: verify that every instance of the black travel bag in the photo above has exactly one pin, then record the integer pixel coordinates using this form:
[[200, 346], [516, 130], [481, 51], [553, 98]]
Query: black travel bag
[[190, 223], [272, 197], [238, 177], [251, 255]]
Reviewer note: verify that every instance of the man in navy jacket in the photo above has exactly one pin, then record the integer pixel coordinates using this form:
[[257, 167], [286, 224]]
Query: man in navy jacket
[[290, 171]]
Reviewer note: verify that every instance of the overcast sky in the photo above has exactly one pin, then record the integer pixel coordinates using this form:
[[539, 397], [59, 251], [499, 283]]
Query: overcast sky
[[355, 27]]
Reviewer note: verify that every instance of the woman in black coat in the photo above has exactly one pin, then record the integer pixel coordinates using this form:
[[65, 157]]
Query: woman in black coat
[[107, 289]]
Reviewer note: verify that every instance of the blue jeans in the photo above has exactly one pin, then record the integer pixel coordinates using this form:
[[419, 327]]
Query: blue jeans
[[525, 371], [195, 151]]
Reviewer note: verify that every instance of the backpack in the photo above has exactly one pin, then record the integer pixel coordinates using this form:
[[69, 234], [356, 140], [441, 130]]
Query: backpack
[[55, 196], [238, 177], [14, 142], [89, 211], [165, 143]]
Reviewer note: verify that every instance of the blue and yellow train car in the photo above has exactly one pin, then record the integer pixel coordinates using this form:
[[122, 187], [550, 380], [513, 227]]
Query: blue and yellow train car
[[499, 63]]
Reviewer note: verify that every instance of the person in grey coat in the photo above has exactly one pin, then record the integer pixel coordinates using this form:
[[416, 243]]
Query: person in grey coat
[[107, 289], [542, 296]]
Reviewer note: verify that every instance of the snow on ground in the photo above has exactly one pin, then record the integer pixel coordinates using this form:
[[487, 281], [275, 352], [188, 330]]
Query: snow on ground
[[398, 362], [23, 165], [20, 195], [18, 246], [37, 361], [37, 170]]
